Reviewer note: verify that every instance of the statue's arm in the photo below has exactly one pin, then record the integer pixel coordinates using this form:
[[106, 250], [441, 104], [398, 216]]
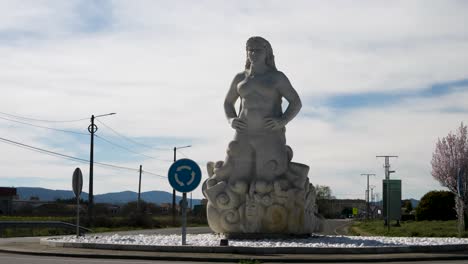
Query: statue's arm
[[287, 91], [229, 104]]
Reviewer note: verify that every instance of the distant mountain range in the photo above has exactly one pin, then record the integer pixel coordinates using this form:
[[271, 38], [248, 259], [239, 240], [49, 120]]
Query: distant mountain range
[[158, 197], [414, 202]]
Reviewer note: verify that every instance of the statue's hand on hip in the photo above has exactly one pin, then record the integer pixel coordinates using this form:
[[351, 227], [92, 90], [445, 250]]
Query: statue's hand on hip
[[238, 124], [274, 123]]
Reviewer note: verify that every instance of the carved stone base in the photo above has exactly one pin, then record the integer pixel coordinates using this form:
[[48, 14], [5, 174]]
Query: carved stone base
[[285, 205]]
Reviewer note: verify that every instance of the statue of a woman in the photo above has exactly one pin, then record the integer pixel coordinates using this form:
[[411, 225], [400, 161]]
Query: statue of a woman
[[260, 125], [257, 189]]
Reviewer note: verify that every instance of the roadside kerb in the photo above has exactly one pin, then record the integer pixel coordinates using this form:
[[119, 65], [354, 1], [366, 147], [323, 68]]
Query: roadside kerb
[[262, 250], [44, 250]]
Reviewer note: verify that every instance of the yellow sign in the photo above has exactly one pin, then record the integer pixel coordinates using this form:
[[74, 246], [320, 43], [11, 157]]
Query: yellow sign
[[355, 211]]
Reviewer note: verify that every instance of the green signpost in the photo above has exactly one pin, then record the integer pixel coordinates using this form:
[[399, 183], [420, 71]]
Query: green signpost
[[394, 209]]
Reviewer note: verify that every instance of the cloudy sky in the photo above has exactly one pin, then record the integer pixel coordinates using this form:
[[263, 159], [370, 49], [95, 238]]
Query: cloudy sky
[[375, 78]]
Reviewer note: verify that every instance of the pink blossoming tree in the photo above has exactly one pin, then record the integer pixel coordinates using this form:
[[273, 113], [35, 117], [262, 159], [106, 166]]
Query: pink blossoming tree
[[451, 155]]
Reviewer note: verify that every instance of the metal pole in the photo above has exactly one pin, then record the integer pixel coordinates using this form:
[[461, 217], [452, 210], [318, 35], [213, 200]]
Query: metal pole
[[174, 197], [367, 194], [367, 199], [92, 129], [184, 219], [139, 190], [77, 216], [372, 199], [387, 179]]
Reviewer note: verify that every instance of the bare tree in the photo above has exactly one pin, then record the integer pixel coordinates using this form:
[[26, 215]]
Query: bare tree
[[449, 158], [324, 192]]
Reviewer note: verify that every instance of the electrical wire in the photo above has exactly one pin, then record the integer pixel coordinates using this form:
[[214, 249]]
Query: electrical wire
[[11, 142], [50, 128], [154, 174], [86, 134], [42, 120], [68, 157], [129, 139], [180, 151], [127, 149]]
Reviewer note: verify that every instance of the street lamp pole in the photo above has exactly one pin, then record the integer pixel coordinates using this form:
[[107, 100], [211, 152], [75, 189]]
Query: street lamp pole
[[92, 129], [173, 190], [367, 194], [387, 178]]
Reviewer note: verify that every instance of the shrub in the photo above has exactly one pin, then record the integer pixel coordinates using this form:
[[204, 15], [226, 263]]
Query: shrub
[[436, 205], [408, 217]]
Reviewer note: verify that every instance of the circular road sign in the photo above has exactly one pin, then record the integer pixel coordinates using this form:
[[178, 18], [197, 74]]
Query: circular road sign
[[77, 182], [184, 175]]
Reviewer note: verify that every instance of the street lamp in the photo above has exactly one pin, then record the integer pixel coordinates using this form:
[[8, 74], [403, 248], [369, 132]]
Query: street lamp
[[387, 178], [367, 193], [92, 129], [173, 190]]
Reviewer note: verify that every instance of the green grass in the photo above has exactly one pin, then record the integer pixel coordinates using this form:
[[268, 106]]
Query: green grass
[[38, 218], [102, 224], [249, 261], [30, 232], [407, 229]]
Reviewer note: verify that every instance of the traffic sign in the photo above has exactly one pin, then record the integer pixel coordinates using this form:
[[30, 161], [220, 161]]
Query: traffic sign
[[184, 175], [77, 182], [355, 211]]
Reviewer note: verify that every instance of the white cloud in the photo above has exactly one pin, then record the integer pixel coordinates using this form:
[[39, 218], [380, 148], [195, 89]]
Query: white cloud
[[165, 69]]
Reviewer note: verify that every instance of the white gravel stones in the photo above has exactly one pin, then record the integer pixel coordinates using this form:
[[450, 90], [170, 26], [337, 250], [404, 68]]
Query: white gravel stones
[[210, 240]]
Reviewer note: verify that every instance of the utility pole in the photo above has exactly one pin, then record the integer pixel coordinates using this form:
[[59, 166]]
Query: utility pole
[[139, 190], [387, 178], [367, 194], [92, 129], [372, 199], [173, 190], [372, 193]]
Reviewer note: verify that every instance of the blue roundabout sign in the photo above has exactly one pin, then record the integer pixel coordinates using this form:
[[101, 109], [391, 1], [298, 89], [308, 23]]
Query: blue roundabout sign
[[184, 175]]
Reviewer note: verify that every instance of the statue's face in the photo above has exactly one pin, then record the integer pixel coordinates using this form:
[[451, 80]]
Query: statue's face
[[256, 53]]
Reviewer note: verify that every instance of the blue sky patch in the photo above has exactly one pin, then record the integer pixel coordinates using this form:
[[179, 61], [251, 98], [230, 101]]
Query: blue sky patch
[[378, 99], [95, 16]]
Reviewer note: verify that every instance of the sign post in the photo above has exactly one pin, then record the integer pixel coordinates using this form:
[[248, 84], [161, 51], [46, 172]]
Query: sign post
[[184, 176], [77, 182]]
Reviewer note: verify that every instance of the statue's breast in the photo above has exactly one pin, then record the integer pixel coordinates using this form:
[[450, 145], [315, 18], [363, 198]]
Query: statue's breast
[[257, 87]]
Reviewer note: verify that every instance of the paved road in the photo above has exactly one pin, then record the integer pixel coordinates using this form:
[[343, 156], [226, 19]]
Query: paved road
[[25, 259], [336, 226]]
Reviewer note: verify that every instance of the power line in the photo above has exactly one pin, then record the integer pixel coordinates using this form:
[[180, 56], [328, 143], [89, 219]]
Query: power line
[[50, 128], [56, 154], [43, 120], [185, 156], [129, 139], [150, 173], [129, 150], [11, 142]]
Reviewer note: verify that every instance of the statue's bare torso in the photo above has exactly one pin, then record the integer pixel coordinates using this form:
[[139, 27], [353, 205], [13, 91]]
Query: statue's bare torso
[[260, 99]]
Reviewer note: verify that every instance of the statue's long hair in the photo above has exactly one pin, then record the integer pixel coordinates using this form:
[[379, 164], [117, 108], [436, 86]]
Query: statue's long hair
[[270, 58]]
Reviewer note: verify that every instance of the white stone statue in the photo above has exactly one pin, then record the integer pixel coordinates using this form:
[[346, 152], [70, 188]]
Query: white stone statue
[[257, 189]]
